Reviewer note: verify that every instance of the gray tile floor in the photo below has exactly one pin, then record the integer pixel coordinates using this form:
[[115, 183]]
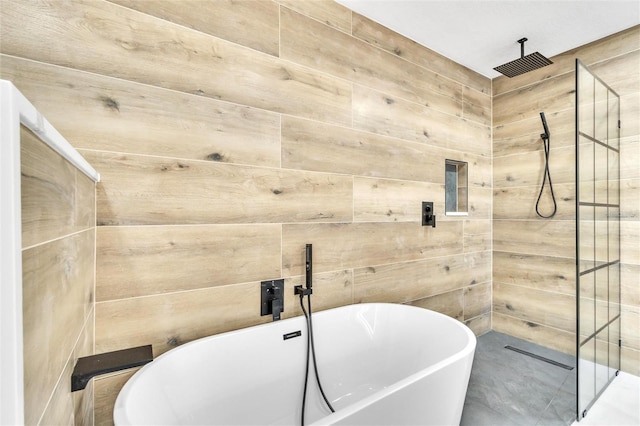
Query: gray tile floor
[[509, 388]]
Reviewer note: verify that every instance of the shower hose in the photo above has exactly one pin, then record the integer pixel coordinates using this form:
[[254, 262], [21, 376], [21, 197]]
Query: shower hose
[[547, 176], [310, 349]]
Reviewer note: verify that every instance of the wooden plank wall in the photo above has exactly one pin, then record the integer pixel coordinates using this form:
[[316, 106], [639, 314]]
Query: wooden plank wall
[[533, 258], [58, 270], [230, 134]]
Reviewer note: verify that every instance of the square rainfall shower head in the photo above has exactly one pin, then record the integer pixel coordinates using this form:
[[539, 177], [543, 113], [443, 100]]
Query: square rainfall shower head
[[531, 62], [524, 63]]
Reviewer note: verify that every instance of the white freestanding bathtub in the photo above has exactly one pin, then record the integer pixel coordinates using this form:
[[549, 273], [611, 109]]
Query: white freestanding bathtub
[[380, 364]]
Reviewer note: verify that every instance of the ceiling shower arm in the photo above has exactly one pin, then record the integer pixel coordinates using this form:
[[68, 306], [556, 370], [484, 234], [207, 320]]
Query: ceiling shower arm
[[521, 41]]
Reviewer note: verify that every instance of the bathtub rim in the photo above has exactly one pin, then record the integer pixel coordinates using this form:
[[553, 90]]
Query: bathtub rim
[[468, 350], [119, 409]]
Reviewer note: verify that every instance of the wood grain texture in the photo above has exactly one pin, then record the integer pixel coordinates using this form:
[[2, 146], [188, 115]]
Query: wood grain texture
[[554, 338], [630, 284], [116, 115], [58, 295], [523, 136], [251, 23], [66, 407], [537, 237], [173, 191], [547, 273], [629, 153], [479, 325], [83, 402], [629, 237], [56, 198], [477, 235], [60, 410], [385, 200], [621, 74], [476, 106], [528, 168], [520, 202], [385, 114], [308, 42], [311, 145], [553, 94], [477, 300], [451, 304], [170, 319], [480, 203], [392, 42], [106, 390], [146, 260], [630, 360], [555, 310], [630, 199], [409, 281], [351, 245], [328, 12], [110, 40]]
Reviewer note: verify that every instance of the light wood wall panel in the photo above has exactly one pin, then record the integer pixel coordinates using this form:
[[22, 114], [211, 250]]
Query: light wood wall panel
[[544, 335], [519, 202], [554, 310], [64, 406], [58, 285], [145, 260], [477, 235], [106, 389], [420, 279], [52, 205], [169, 319], [385, 200], [554, 94], [58, 296], [451, 304], [119, 42], [328, 12], [382, 37], [174, 191], [541, 272], [354, 245], [480, 203], [523, 136], [415, 122], [312, 145], [551, 238], [528, 168], [479, 325], [477, 300], [105, 114], [315, 45], [476, 106], [251, 23]]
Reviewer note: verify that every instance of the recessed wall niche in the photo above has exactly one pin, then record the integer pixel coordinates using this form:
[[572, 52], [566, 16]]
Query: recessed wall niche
[[456, 184]]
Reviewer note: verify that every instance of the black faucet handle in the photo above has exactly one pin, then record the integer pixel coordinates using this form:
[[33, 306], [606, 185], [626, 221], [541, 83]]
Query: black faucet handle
[[276, 308]]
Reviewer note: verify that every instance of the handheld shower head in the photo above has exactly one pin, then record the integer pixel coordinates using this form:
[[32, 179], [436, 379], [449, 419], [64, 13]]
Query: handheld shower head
[[309, 265], [546, 133]]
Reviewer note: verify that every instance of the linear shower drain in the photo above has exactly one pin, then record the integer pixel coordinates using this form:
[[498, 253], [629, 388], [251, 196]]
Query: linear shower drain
[[541, 358]]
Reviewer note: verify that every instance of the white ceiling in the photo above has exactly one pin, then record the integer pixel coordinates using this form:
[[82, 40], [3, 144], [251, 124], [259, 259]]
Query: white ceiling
[[482, 34]]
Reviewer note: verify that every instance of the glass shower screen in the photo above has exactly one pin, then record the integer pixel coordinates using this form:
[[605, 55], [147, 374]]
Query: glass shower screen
[[597, 235]]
